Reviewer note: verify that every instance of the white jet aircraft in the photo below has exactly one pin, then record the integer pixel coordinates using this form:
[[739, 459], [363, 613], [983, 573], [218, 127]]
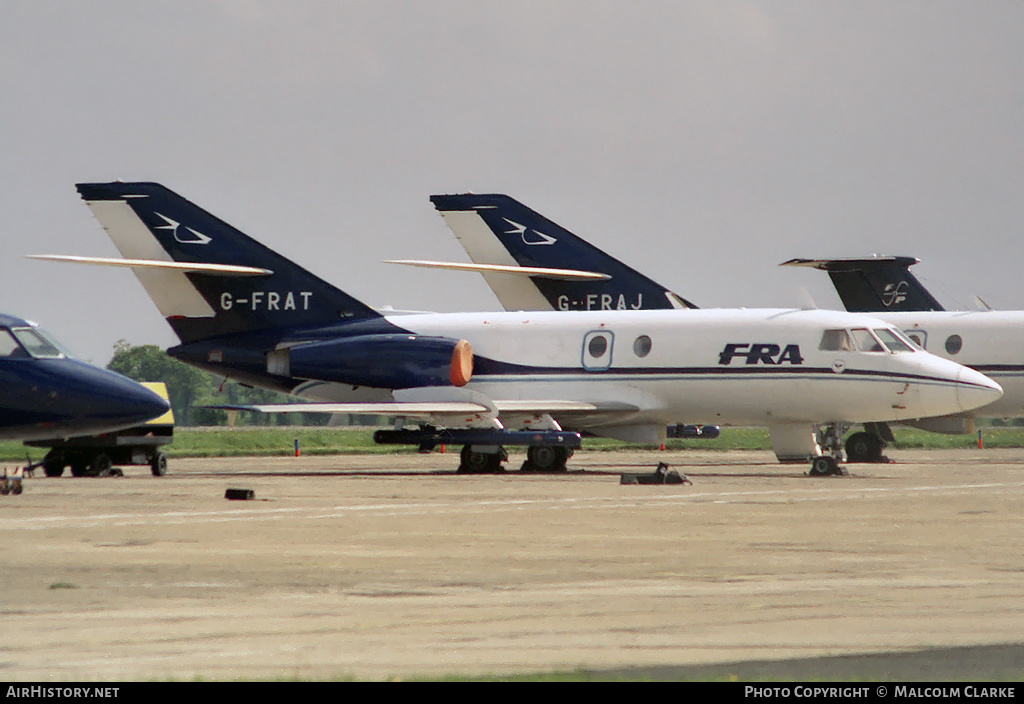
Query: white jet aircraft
[[487, 380], [988, 341], [524, 258]]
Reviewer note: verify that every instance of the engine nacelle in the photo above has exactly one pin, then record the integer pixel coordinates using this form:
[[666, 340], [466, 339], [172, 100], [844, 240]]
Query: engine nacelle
[[381, 361]]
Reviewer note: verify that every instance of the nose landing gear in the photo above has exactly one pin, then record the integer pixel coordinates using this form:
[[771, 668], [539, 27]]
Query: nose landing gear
[[827, 463]]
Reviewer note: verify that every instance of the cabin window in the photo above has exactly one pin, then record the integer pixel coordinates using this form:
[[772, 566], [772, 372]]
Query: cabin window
[[835, 341], [954, 343], [642, 346], [866, 341], [893, 341], [597, 346]]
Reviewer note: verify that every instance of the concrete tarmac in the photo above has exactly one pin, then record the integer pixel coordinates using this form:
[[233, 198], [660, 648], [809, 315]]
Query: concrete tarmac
[[393, 566]]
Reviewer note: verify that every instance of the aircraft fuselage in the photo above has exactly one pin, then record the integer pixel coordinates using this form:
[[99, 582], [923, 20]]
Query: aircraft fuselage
[[727, 366]]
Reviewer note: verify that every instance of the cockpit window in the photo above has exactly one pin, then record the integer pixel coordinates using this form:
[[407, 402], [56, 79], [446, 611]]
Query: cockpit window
[[37, 344], [866, 341], [835, 341], [9, 347], [893, 340]]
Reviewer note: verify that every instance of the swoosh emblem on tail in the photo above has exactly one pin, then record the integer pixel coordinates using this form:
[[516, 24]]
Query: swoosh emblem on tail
[[521, 231], [173, 226]]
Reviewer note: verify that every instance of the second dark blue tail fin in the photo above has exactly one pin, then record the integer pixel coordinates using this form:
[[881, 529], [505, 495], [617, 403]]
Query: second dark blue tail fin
[[497, 229]]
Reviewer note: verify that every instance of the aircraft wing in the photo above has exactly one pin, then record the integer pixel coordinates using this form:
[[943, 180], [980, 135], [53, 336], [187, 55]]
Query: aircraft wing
[[561, 407], [397, 408], [459, 414], [426, 409]]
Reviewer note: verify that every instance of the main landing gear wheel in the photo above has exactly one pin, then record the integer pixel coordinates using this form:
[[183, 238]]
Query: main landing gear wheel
[[824, 466], [53, 463], [864, 447], [158, 464], [481, 462], [541, 458]]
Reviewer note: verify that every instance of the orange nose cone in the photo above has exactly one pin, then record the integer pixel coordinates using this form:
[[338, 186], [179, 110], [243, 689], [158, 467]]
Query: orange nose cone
[[461, 368]]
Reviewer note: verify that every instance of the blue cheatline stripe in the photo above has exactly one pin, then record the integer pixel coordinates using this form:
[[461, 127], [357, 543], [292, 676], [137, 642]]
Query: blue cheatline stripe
[[590, 377], [490, 369]]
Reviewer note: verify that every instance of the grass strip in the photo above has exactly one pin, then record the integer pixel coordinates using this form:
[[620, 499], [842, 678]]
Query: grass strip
[[269, 441]]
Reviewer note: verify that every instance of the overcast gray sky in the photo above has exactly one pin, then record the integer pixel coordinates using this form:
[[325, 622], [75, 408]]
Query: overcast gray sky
[[701, 142]]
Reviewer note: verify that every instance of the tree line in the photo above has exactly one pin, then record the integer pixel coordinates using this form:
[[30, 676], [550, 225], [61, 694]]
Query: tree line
[[191, 390]]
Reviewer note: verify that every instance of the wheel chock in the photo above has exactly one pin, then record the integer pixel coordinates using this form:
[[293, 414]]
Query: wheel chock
[[240, 494], [661, 475]]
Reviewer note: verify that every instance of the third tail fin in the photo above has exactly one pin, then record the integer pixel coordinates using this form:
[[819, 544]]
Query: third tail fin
[[875, 284]]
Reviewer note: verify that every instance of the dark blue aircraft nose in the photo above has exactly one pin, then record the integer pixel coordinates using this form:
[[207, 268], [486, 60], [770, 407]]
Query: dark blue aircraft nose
[[140, 404], [105, 397]]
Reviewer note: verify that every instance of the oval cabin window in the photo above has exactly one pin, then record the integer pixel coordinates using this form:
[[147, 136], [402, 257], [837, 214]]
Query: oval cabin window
[[642, 346]]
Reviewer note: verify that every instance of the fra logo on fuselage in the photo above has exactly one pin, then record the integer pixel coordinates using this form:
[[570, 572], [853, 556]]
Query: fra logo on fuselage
[[761, 353]]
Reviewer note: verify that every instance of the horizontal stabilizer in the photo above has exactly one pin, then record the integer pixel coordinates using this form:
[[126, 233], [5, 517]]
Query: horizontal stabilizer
[[851, 263], [558, 274], [189, 267]]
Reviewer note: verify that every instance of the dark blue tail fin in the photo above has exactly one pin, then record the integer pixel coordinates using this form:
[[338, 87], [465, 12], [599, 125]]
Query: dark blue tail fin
[[875, 284], [156, 226], [497, 229]]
